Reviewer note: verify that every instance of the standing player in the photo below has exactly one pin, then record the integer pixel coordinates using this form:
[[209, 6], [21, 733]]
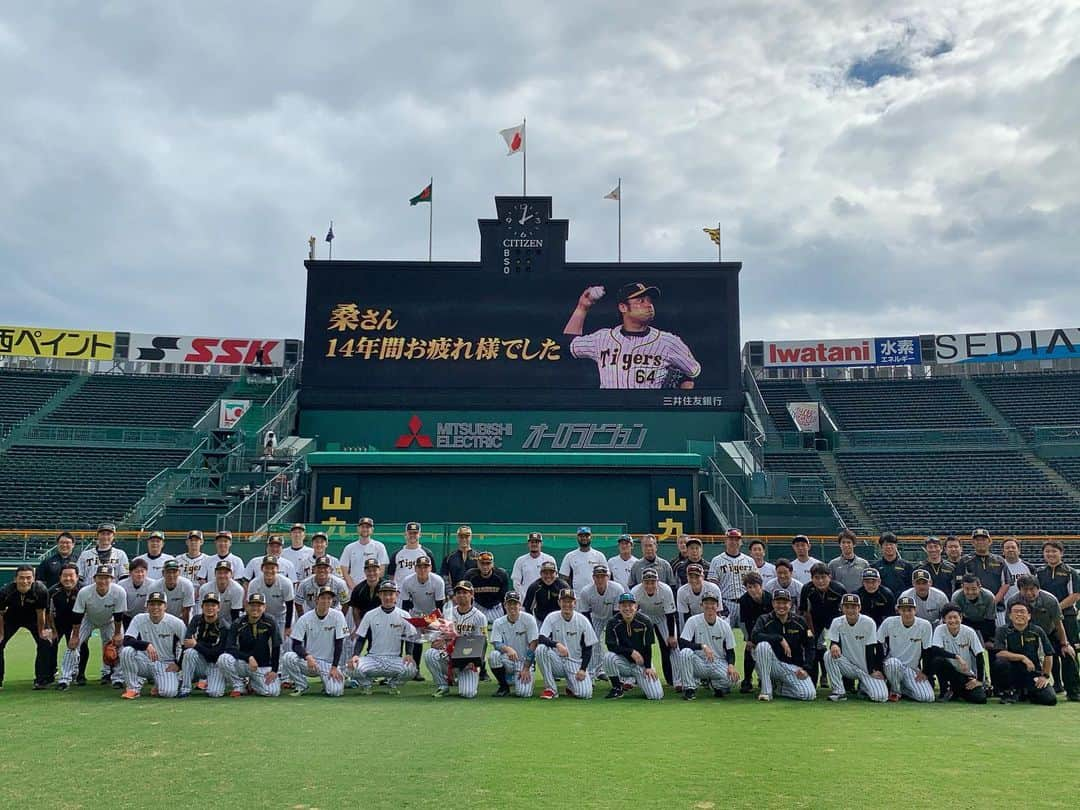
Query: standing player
[[490, 586], [991, 570], [707, 651], [689, 597], [422, 594], [48, 570], [319, 544], [278, 594], [622, 563], [155, 555], [179, 592], [136, 588], [958, 657], [1010, 552], [307, 592], [365, 548], [650, 559], [784, 650], [1022, 660], [254, 651], [301, 556], [60, 619], [803, 562], [513, 649], [634, 354], [566, 645], [753, 604], [317, 642], [929, 601], [457, 562], [656, 603], [151, 649], [727, 569], [466, 621], [895, 570], [542, 597], [847, 569], [103, 553], [599, 602], [191, 561], [273, 549], [229, 593], [1064, 583], [384, 630], [766, 570], [629, 640], [692, 554], [23, 604], [204, 642], [577, 566], [403, 561], [99, 606], [854, 652], [878, 602], [223, 553], [527, 567], [942, 572], [906, 641], [819, 603]]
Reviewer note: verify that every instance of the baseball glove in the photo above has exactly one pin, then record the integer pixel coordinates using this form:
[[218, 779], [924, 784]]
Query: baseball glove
[[673, 378], [110, 655]]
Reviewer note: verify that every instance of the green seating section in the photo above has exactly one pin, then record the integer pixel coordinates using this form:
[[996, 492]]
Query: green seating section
[[1027, 400], [902, 404], [23, 392], [1068, 467], [777, 394], [139, 401], [808, 465], [74, 487], [954, 491]]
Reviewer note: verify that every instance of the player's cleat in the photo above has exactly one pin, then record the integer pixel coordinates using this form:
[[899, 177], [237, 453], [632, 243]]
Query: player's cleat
[[286, 684], [720, 693], [615, 693], [549, 694], [130, 694], [502, 691], [838, 697], [569, 692], [1008, 696], [298, 692], [601, 677], [746, 687], [894, 697], [118, 685], [39, 685], [365, 690], [484, 675], [946, 695], [181, 695], [61, 687], [688, 694], [201, 685], [105, 680], [235, 693], [80, 681], [441, 692], [419, 677], [392, 690], [1059, 689], [678, 687], [1072, 697], [352, 683], [764, 697]]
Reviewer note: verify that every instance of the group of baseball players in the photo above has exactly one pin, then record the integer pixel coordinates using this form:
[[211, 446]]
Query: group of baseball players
[[887, 628]]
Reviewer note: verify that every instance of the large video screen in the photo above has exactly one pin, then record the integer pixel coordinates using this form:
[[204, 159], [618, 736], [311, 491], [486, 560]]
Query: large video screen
[[381, 334]]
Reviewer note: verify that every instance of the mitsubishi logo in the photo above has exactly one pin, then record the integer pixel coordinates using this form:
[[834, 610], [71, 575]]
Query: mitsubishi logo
[[414, 435]]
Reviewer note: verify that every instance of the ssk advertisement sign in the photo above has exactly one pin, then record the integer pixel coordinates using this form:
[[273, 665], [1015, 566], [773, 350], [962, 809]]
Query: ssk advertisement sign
[[206, 350]]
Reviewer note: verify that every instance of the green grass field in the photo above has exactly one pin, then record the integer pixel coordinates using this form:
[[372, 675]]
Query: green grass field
[[88, 748]]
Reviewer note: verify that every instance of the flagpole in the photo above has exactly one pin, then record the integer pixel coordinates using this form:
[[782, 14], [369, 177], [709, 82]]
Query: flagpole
[[524, 154], [331, 243], [620, 220], [719, 246], [430, 215]]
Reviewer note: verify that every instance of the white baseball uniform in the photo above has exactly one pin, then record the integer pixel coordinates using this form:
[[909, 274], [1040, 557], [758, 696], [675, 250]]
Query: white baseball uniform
[[191, 566], [354, 555], [517, 636], [579, 565], [317, 635], [600, 607], [576, 634], [852, 663], [471, 623], [631, 360], [155, 566], [166, 636], [98, 613], [178, 598], [527, 570], [904, 647], [693, 664], [385, 631], [620, 569], [206, 573], [232, 598]]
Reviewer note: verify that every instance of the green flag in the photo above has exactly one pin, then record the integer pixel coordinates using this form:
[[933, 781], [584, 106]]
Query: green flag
[[423, 196]]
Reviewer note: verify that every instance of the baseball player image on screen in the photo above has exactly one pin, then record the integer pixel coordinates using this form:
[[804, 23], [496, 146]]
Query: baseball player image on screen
[[632, 354]]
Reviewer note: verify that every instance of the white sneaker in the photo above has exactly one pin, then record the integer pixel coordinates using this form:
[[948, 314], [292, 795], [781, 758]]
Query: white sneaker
[[764, 697]]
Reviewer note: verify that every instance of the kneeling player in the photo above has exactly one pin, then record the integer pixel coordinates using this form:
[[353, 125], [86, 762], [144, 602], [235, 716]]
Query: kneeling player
[[467, 620], [853, 652], [1023, 659], [151, 649], [707, 651], [629, 639], [384, 631], [956, 655], [784, 651], [317, 640], [254, 653], [906, 641], [204, 643], [513, 641], [567, 644]]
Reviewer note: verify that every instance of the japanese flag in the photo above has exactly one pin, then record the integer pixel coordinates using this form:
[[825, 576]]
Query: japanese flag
[[515, 138]]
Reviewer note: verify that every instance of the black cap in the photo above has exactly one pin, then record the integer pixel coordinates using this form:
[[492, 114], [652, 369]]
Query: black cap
[[626, 538], [319, 534], [274, 538], [548, 565], [693, 541], [195, 533], [871, 573], [649, 573], [600, 569], [107, 527], [536, 537], [223, 533], [156, 535], [256, 599], [322, 561], [299, 526], [636, 290], [269, 559], [850, 599], [371, 562], [422, 561], [155, 596], [781, 593], [412, 526], [980, 533], [170, 565], [212, 597], [365, 521], [512, 596], [694, 568], [905, 602], [223, 565], [327, 591], [710, 596], [103, 571], [390, 586], [464, 585], [921, 576], [567, 593]]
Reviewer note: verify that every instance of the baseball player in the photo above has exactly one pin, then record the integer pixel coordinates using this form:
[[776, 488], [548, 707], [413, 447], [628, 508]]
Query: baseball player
[[629, 640], [365, 596], [878, 602], [1010, 552], [727, 570], [803, 562], [60, 619], [490, 585], [319, 545], [179, 592], [307, 592], [103, 553], [707, 651], [253, 569], [599, 603], [467, 620], [895, 571], [784, 651], [422, 594], [48, 570], [318, 639], [136, 587], [577, 566], [155, 555], [205, 640], [1063, 582], [656, 602], [991, 570], [942, 572], [680, 547], [906, 641], [978, 606], [301, 556], [255, 649], [24, 603], [542, 597], [230, 594], [785, 578], [651, 559], [692, 555], [365, 548], [957, 659], [565, 647], [403, 561], [191, 561], [1023, 660], [753, 604], [223, 553], [461, 559], [954, 553], [278, 593], [1047, 616], [854, 652], [152, 645], [99, 606], [929, 601], [527, 567], [513, 648], [634, 354], [385, 631], [766, 570], [622, 563], [847, 568], [688, 597]]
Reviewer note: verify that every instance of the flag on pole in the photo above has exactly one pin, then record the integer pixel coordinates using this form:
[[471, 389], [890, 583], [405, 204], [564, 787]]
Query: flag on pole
[[614, 194], [422, 197], [330, 233], [714, 234], [514, 137]]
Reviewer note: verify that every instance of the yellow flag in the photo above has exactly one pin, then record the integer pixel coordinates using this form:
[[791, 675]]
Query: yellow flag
[[714, 234]]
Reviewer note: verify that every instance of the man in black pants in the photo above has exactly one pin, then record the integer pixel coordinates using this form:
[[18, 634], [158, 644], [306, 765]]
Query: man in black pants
[[61, 618], [1023, 657], [753, 604], [23, 604]]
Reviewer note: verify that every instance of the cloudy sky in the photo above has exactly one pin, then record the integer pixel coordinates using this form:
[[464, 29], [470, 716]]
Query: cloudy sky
[[878, 169]]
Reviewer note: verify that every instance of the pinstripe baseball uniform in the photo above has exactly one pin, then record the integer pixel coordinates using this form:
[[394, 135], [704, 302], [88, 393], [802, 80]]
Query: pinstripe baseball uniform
[[599, 608], [929, 608], [471, 623], [307, 592], [155, 565], [577, 635], [688, 603], [180, 597], [853, 661], [303, 560], [727, 572], [527, 570], [279, 596], [316, 636], [206, 573], [191, 566], [518, 636], [231, 599], [632, 360], [691, 662], [777, 670], [384, 631], [260, 640], [166, 635], [89, 560], [904, 647], [97, 612], [201, 661]]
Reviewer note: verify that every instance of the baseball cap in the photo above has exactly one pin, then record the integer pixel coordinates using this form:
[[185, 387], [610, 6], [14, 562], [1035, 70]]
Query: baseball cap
[[464, 585], [412, 526], [693, 541], [156, 535], [256, 599], [705, 597], [800, 538], [299, 526], [155, 596], [319, 534], [567, 593], [627, 597], [905, 602], [512, 596], [385, 585], [269, 559], [365, 521], [649, 573], [850, 599], [195, 533], [637, 289], [139, 564], [103, 571], [107, 527], [274, 538], [371, 562], [584, 530], [780, 593], [485, 556], [734, 533], [424, 561], [548, 565], [921, 576], [321, 561], [930, 540], [600, 569], [871, 573], [223, 565], [625, 538], [212, 597], [536, 537], [223, 533], [694, 568], [327, 591], [171, 565], [980, 533]]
